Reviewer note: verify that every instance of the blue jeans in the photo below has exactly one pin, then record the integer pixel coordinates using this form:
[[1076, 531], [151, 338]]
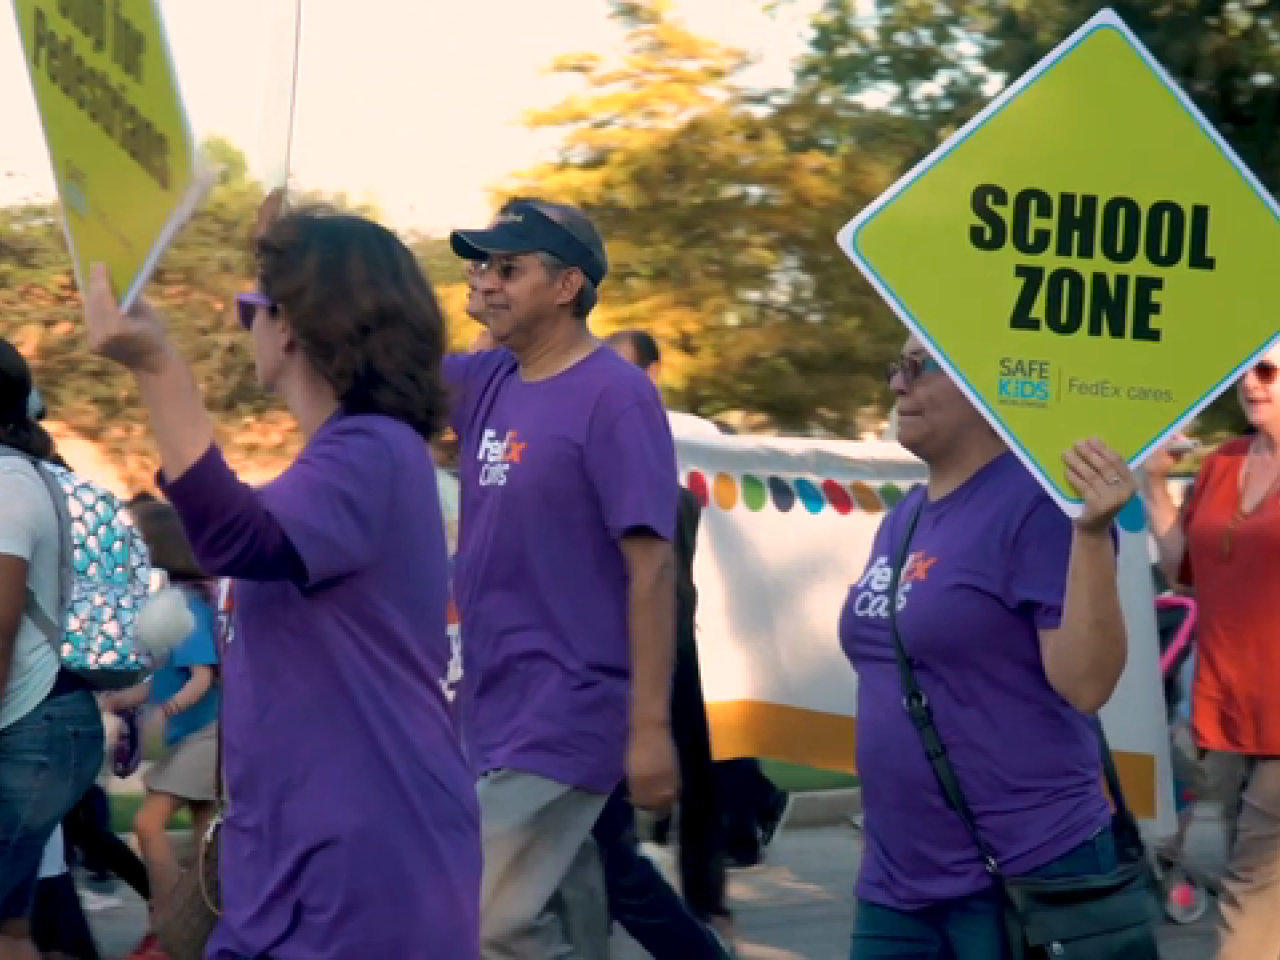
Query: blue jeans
[[48, 759], [968, 928], [639, 896]]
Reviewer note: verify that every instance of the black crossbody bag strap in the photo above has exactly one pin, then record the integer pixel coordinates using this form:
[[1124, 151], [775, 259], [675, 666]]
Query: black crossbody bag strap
[[916, 703], [918, 709]]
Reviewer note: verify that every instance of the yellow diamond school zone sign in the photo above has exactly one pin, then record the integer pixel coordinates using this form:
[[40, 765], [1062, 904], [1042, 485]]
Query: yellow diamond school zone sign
[[117, 133], [1086, 257]]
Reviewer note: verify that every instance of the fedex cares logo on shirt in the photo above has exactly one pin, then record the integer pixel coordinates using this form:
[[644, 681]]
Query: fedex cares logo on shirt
[[498, 454], [873, 588]]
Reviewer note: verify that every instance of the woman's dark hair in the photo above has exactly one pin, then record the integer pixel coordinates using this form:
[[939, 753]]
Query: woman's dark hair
[[166, 540], [17, 427], [362, 311]]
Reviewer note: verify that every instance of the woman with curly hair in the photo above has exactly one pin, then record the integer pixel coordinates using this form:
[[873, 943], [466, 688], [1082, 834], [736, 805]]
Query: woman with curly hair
[[352, 828]]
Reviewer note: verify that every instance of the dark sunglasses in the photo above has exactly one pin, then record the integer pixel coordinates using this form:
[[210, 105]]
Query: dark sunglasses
[[911, 367], [1266, 372], [247, 305]]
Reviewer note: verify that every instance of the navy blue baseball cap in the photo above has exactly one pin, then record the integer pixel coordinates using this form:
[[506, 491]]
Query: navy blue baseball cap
[[533, 227]]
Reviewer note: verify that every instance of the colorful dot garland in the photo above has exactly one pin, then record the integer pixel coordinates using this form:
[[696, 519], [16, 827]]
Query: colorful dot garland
[[727, 492]]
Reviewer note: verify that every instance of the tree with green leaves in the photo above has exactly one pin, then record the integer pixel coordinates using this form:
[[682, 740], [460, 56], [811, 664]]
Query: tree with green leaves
[[195, 286], [719, 212]]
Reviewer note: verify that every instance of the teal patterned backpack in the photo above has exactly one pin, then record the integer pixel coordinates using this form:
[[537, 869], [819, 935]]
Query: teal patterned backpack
[[105, 581]]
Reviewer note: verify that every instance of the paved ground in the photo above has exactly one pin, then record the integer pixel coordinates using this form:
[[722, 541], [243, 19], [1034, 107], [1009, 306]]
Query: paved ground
[[796, 907]]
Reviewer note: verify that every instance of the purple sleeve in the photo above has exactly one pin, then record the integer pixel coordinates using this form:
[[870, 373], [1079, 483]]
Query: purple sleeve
[[631, 461], [1037, 574], [335, 501], [1040, 560], [232, 534]]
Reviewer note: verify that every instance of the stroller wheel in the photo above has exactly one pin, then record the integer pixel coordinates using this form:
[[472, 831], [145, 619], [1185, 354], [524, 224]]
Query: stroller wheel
[[1185, 901]]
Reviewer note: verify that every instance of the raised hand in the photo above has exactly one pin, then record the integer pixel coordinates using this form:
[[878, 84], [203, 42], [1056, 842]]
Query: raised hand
[[135, 339], [1102, 479]]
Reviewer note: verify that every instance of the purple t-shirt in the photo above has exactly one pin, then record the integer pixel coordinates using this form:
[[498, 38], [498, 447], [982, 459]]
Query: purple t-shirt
[[988, 569], [353, 828], [553, 473]]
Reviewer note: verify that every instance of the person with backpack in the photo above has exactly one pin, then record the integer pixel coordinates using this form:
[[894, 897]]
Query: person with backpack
[[183, 688], [51, 736]]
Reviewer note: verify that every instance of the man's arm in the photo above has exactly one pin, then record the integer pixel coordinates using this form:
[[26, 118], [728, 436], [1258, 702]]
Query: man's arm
[[630, 460], [652, 774], [651, 613]]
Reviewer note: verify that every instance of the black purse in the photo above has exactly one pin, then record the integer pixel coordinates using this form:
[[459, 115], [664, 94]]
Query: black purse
[[1106, 917]]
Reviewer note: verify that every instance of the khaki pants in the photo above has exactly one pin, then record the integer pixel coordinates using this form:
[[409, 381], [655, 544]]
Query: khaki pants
[[543, 896], [1249, 790]]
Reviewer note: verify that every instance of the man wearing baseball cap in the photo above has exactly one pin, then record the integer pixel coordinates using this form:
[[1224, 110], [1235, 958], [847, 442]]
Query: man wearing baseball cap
[[565, 579]]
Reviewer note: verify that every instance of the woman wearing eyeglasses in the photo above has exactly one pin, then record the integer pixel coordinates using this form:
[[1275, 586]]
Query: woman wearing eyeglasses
[[1010, 615], [352, 827], [1225, 544]]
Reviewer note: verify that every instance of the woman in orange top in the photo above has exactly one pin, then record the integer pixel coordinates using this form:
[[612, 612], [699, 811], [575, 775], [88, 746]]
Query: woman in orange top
[[1225, 543]]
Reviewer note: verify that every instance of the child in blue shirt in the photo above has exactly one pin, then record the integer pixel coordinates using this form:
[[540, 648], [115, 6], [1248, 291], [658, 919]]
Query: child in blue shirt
[[184, 687]]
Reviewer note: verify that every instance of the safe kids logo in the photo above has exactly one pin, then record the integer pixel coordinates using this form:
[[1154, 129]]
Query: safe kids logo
[[497, 455], [873, 588], [1023, 383]]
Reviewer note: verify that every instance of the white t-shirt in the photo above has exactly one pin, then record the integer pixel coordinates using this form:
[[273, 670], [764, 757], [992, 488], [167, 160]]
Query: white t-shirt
[[54, 861], [689, 425], [29, 529], [447, 486]]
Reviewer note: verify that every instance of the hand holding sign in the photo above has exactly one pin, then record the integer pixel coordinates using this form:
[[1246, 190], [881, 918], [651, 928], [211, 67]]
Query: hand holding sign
[[1165, 459], [269, 211], [119, 143], [1102, 479], [135, 338]]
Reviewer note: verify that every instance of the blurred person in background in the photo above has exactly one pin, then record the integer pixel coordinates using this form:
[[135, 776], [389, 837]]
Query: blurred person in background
[[352, 828], [59, 927], [748, 810], [184, 689], [1224, 544], [483, 340], [51, 736], [701, 849]]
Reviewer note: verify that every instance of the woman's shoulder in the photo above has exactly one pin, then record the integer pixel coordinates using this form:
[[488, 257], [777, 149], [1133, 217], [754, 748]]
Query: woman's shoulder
[[22, 488], [360, 436], [17, 471], [1226, 455]]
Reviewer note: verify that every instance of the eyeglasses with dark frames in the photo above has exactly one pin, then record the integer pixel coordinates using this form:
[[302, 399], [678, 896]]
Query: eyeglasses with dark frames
[[911, 367]]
